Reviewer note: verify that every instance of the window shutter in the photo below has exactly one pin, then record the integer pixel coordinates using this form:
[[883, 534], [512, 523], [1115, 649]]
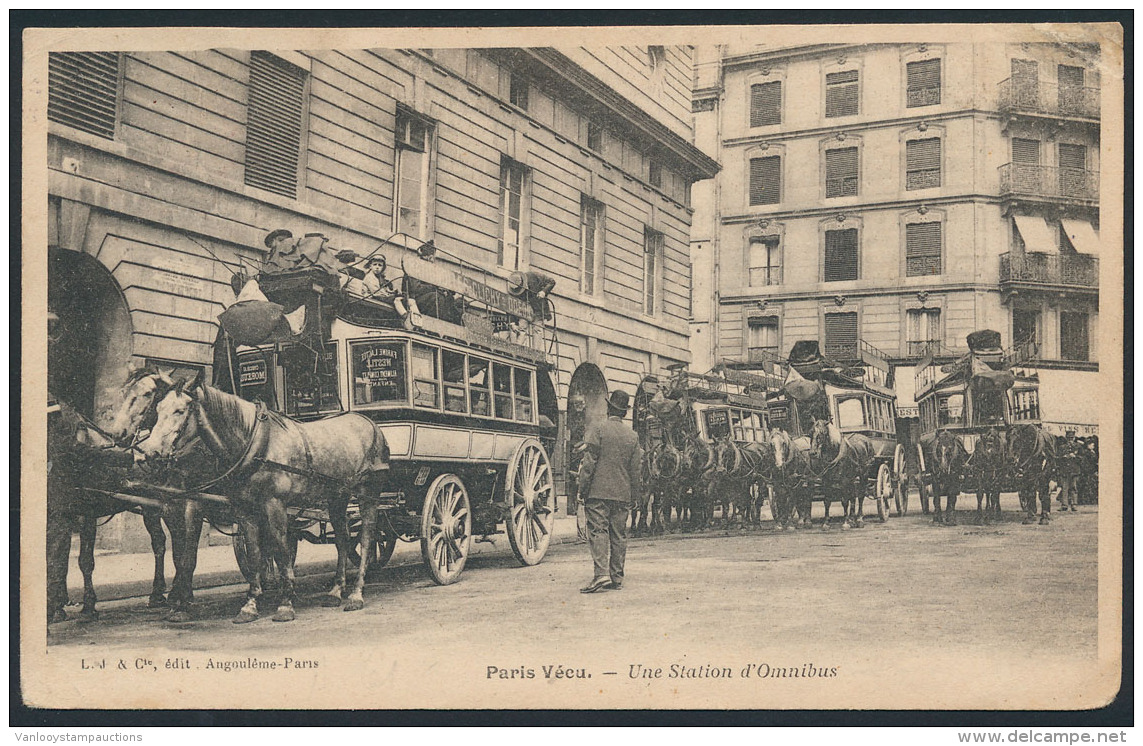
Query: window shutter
[[842, 94], [765, 180], [841, 335], [1025, 151], [1068, 75], [924, 82], [274, 124], [1073, 156], [83, 90], [766, 104], [841, 255], [841, 172], [922, 249], [923, 163], [1025, 70]]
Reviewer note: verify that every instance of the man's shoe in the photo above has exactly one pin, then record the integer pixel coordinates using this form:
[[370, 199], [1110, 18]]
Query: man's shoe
[[597, 585], [615, 585]]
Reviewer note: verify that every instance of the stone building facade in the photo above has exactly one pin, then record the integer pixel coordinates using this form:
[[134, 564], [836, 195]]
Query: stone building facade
[[901, 196]]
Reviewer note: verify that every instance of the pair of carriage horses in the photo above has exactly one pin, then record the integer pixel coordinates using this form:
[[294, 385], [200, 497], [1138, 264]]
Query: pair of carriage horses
[[688, 477], [264, 462]]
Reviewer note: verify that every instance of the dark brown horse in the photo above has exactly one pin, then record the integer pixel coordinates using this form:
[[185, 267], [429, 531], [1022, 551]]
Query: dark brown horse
[[1033, 455], [947, 458], [988, 467], [82, 455], [278, 463], [842, 464]]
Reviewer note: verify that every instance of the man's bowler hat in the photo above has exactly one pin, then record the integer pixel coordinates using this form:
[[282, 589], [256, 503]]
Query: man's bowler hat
[[619, 401]]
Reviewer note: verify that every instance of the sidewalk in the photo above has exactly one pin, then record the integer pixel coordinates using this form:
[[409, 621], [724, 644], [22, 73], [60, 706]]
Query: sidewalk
[[120, 576]]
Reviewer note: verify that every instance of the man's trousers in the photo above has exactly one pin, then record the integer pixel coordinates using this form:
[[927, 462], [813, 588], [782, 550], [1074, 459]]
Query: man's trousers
[[607, 536]]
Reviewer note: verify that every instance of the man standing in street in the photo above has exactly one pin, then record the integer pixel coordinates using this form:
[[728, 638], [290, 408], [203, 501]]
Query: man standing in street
[[616, 483], [1068, 460]]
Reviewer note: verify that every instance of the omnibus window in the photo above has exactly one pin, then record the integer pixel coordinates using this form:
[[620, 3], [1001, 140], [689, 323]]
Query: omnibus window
[[502, 390], [736, 425], [311, 380], [851, 413], [1025, 405], [478, 387], [426, 389], [523, 394], [452, 371], [378, 370], [950, 410]]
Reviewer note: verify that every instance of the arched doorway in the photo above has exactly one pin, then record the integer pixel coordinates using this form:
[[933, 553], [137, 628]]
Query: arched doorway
[[587, 403], [89, 353]]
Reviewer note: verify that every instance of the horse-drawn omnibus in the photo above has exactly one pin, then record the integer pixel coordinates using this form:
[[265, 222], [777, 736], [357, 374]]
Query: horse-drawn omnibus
[[704, 439], [987, 409], [854, 394], [456, 374]]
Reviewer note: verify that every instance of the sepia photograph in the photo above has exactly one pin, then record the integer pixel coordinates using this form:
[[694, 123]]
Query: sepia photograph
[[618, 368]]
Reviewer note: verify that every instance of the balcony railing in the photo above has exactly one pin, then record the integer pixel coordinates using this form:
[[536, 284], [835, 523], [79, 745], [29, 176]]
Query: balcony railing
[[1075, 270], [1030, 96], [1048, 181], [767, 357]]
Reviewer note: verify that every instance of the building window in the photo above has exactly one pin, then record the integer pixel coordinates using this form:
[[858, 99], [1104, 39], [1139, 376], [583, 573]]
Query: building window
[[410, 201], [655, 174], [83, 90], [923, 163], [1073, 170], [766, 180], [924, 83], [765, 262], [922, 249], [1070, 92], [766, 104], [595, 137], [923, 330], [1026, 328], [518, 91], [763, 339], [591, 238], [652, 263], [842, 94], [274, 124], [512, 176], [841, 255], [841, 172], [1073, 336], [1025, 151], [841, 336]]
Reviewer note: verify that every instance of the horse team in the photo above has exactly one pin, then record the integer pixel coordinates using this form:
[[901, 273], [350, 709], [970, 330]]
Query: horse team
[[181, 431], [269, 463]]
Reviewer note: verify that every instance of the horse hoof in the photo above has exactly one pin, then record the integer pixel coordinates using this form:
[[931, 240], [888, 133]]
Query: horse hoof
[[330, 601], [1045, 520], [285, 614], [1028, 521], [354, 604], [157, 602], [845, 525], [88, 615], [860, 524], [179, 617], [59, 615], [245, 617]]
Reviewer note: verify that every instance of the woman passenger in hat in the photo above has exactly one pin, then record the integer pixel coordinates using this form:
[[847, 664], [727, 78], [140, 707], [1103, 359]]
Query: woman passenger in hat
[[616, 482]]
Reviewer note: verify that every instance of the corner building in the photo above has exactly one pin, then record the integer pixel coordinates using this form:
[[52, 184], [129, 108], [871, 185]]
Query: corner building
[[902, 195], [164, 167]]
